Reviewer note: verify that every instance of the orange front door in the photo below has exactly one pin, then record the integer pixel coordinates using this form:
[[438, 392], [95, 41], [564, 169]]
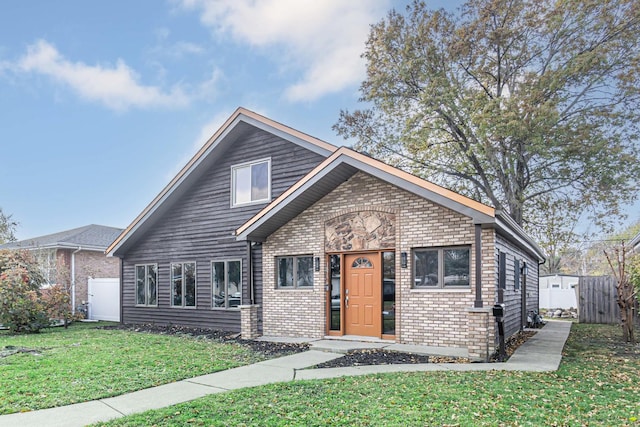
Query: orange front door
[[363, 293]]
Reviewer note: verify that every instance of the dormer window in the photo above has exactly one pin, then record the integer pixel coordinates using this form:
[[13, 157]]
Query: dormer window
[[251, 182]]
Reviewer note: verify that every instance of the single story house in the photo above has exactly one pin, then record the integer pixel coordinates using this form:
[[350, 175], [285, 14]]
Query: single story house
[[74, 257], [269, 231]]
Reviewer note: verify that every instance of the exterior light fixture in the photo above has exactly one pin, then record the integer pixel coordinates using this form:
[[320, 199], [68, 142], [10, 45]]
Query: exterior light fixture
[[404, 262], [316, 263], [524, 270]]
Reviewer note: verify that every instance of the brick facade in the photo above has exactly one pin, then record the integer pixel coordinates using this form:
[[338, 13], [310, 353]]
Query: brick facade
[[437, 317], [87, 264], [249, 321]]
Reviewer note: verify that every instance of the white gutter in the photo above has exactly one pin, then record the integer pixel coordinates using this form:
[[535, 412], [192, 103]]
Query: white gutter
[[73, 279]]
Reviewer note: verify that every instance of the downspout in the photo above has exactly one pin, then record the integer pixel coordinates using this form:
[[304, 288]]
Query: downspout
[[478, 301], [524, 312], [73, 279], [122, 290], [250, 272]]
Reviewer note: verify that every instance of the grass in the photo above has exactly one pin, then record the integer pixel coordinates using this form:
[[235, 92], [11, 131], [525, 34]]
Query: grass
[[84, 363], [597, 384]]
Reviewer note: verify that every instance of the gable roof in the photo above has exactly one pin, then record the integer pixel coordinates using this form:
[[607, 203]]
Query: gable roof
[[235, 127], [342, 165], [90, 237]]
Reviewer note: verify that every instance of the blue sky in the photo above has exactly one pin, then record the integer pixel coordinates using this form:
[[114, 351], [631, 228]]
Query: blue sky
[[102, 103]]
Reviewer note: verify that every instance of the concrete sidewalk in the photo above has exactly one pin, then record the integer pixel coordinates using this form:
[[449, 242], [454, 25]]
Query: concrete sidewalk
[[541, 353]]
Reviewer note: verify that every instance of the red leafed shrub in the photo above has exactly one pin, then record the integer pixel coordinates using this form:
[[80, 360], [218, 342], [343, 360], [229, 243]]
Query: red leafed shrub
[[22, 308]]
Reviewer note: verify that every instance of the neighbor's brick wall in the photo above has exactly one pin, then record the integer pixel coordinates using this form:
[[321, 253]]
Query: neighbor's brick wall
[[430, 317], [88, 264]]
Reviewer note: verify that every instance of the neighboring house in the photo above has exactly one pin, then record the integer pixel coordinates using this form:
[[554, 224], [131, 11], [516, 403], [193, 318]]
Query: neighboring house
[[635, 243], [558, 291], [270, 231], [73, 257]]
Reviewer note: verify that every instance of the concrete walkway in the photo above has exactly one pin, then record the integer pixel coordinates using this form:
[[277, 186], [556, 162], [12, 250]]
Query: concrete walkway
[[541, 353]]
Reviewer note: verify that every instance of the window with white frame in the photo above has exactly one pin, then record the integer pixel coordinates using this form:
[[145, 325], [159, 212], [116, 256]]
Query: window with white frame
[[147, 284], [47, 262], [251, 182], [226, 284], [441, 267], [183, 284], [294, 271]]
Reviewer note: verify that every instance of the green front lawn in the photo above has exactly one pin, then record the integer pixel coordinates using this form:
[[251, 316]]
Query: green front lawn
[[84, 363], [598, 384]]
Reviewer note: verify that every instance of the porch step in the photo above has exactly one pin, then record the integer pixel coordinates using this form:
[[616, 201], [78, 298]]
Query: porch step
[[345, 346]]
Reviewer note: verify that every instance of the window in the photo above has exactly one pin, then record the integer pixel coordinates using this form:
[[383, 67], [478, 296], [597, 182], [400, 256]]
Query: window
[[226, 284], [335, 292], [362, 263], [442, 267], [147, 284], [183, 284], [389, 293], [294, 272], [47, 262], [251, 182]]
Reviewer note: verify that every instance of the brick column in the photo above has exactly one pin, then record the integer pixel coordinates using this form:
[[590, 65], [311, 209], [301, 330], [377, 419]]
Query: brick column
[[249, 321], [479, 336]]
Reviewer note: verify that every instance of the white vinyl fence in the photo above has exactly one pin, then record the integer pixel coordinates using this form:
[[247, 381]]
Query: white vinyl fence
[[104, 299], [558, 298]]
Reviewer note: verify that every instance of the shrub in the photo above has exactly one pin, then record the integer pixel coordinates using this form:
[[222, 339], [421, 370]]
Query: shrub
[[57, 301], [21, 306]]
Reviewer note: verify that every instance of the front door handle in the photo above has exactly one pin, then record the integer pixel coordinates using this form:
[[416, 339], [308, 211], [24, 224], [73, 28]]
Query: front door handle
[[346, 302]]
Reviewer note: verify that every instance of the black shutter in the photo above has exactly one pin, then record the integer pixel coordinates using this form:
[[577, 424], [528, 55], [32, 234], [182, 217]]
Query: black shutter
[[502, 272]]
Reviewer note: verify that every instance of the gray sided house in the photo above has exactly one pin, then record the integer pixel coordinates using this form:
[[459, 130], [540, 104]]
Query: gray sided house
[[181, 261], [268, 231], [73, 256]]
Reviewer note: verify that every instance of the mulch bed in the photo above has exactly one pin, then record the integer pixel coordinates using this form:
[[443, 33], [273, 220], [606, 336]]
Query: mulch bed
[[352, 358], [270, 349]]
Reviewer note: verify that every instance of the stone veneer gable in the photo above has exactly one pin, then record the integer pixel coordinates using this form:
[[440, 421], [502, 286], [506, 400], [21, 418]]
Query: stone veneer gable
[[437, 317]]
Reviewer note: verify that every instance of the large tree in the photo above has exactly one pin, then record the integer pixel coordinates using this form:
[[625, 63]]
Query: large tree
[[528, 105], [7, 228]]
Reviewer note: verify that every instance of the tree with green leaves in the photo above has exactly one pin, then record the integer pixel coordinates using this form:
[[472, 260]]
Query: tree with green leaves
[[530, 106], [7, 228]]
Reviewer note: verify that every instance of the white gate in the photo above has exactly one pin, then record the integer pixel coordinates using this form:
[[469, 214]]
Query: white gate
[[104, 299]]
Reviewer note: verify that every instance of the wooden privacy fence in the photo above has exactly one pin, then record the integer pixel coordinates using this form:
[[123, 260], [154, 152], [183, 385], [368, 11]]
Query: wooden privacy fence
[[597, 300]]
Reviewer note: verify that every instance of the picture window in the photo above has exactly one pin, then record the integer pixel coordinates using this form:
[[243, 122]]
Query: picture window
[[441, 267], [294, 271], [183, 284], [147, 284], [226, 284]]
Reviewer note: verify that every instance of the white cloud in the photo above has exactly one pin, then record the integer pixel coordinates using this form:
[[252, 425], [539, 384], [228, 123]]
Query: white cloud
[[117, 87], [177, 49], [323, 38], [209, 88]]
